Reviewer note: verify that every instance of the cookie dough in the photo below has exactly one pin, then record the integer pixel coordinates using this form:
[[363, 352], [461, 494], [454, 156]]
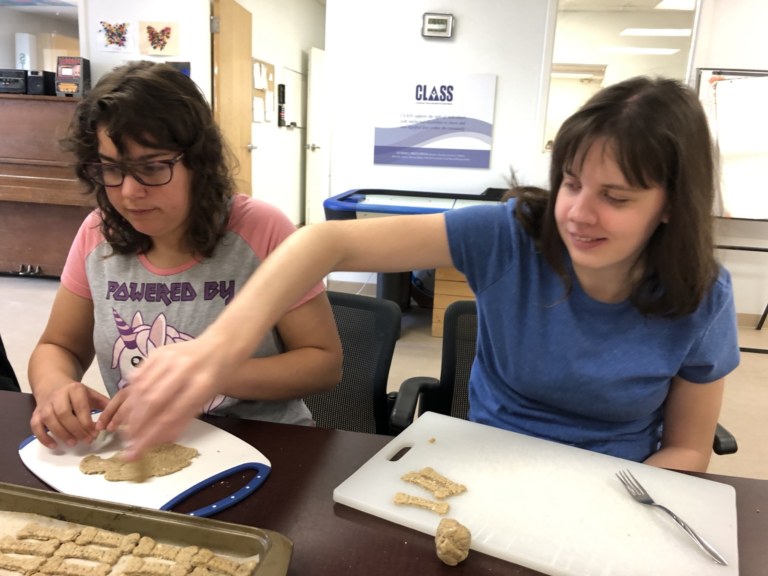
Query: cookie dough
[[452, 541], [159, 461]]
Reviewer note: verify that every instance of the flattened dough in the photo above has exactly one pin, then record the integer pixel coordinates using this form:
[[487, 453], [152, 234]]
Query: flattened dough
[[159, 461]]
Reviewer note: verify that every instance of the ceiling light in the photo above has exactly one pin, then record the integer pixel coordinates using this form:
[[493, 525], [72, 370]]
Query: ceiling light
[[573, 75], [640, 50], [656, 32], [676, 5]]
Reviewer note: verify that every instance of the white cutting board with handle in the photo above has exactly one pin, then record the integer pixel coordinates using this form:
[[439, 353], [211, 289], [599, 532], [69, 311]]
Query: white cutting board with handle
[[553, 508], [221, 455]]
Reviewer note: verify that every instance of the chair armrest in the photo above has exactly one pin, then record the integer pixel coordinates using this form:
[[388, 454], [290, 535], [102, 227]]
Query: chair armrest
[[725, 442], [404, 410]]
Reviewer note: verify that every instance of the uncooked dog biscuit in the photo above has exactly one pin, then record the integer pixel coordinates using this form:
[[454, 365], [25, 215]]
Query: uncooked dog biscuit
[[25, 565], [244, 569], [90, 552], [218, 565], [123, 542], [149, 547], [59, 566], [28, 547], [148, 567], [36, 531], [408, 500], [440, 486]]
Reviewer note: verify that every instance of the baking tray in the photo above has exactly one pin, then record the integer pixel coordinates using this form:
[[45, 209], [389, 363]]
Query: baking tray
[[273, 548]]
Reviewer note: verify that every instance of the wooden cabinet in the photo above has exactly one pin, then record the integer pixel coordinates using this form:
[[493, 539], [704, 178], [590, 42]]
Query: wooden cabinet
[[42, 204], [450, 286]]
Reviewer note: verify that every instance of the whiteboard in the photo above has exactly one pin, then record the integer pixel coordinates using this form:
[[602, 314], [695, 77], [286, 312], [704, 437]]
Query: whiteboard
[[735, 104]]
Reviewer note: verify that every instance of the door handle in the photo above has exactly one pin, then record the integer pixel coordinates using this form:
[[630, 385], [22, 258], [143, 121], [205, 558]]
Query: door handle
[[312, 147], [250, 147]]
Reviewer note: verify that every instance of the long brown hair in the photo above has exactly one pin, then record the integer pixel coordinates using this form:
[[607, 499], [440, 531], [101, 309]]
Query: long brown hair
[[659, 134], [156, 106]]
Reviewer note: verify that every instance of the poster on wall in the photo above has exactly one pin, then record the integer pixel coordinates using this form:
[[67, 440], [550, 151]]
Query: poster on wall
[[436, 121], [159, 38]]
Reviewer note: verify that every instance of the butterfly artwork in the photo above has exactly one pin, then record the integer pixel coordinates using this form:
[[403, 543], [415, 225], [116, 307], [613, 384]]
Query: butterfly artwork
[[158, 39], [161, 38], [114, 36]]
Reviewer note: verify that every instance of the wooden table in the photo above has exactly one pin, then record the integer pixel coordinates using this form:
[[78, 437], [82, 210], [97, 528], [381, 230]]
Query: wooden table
[[331, 539]]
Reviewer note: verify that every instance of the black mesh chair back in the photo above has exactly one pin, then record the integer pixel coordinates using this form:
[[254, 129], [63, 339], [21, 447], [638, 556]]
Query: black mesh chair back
[[368, 328], [8, 379], [459, 347]]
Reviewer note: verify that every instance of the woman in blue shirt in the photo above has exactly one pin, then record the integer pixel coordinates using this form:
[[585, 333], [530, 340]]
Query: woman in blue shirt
[[604, 320]]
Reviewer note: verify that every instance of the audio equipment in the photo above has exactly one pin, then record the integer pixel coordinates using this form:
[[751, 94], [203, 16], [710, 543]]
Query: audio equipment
[[13, 81], [41, 82]]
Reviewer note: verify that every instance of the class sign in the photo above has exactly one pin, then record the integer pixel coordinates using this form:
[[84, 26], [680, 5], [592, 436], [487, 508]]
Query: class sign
[[436, 122]]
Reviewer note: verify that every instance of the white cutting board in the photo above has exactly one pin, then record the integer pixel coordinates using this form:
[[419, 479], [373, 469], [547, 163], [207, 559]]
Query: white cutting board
[[553, 508], [221, 455]]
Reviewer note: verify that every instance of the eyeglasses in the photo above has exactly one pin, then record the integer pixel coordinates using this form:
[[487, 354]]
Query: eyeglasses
[[153, 173]]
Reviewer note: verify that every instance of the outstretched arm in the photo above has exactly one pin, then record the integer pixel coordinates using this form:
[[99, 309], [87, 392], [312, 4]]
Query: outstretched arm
[[169, 387]]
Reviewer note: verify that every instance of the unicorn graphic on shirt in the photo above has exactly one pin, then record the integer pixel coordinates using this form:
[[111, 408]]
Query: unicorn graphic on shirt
[[137, 339]]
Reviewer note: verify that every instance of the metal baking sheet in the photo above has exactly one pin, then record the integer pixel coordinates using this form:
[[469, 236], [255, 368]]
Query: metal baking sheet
[[273, 548]]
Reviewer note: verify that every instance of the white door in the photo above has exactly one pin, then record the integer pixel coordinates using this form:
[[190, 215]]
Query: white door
[[318, 166]]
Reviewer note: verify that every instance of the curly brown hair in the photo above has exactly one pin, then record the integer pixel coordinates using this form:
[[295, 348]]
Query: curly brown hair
[[156, 106], [659, 133]]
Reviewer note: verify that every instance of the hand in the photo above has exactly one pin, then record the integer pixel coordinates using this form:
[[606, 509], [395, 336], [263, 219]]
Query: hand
[[112, 415], [166, 392], [65, 412]]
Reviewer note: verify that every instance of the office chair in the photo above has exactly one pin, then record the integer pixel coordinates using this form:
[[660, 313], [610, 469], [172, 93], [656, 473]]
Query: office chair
[[8, 379], [368, 328], [449, 394]]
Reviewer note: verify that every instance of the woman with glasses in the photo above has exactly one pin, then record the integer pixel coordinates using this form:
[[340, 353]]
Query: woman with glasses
[[167, 249]]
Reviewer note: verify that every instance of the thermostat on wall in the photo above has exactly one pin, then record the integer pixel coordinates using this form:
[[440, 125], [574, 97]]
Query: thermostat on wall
[[439, 25]]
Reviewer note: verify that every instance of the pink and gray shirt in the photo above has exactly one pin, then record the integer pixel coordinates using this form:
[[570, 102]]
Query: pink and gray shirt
[[138, 306]]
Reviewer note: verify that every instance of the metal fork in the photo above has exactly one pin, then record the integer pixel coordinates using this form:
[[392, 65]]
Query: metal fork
[[639, 493]]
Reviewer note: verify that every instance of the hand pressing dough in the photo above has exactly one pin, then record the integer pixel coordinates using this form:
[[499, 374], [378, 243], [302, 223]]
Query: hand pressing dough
[[159, 461], [452, 541]]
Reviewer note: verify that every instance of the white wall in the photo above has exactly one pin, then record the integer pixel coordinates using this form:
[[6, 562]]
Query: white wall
[[732, 35], [192, 19], [367, 45]]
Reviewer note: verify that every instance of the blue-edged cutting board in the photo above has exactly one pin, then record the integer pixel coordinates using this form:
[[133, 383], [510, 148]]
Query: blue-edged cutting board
[[553, 508], [221, 455]]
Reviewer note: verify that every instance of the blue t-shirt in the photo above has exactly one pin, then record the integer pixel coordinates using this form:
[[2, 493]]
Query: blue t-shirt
[[569, 368]]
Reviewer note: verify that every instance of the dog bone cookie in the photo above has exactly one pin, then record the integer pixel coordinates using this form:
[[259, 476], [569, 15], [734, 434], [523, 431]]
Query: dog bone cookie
[[123, 542], [35, 531], [403, 499], [25, 565], [149, 547], [440, 486], [28, 547]]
